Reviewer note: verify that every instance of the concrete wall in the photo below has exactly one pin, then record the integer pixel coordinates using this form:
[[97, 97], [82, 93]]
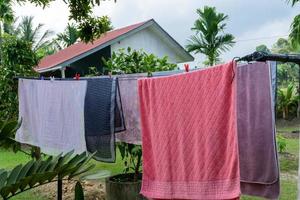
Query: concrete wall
[[151, 42]]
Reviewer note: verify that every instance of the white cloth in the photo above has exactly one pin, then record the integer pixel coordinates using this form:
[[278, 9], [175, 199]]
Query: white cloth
[[52, 115]]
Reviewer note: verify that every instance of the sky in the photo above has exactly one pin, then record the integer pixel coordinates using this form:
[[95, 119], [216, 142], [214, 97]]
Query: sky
[[252, 22]]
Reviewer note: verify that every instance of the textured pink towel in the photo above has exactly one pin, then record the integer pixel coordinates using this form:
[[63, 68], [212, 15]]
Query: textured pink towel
[[189, 135]]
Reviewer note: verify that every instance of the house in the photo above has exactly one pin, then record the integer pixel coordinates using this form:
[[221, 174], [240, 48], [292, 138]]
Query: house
[[77, 58]]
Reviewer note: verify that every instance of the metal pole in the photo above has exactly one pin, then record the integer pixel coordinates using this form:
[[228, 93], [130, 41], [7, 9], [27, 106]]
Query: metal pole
[[59, 189]]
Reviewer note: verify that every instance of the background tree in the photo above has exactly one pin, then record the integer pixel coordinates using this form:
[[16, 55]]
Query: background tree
[[68, 37], [263, 48], [295, 26], [287, 98], [6, 14], [81, 11], [17, 59], [136, 61], [210, 38], [35, 35]]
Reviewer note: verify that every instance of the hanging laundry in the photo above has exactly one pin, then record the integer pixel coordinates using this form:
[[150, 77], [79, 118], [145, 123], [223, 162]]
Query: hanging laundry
[[189, 135], [49, 110], [273, 72], [256, 131], [103, 117], [129, 96]]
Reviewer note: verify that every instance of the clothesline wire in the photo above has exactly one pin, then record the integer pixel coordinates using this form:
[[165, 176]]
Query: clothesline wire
[[261, 38]]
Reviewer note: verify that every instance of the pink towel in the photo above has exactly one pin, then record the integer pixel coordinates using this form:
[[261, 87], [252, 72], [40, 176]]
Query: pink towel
[[189, 135]]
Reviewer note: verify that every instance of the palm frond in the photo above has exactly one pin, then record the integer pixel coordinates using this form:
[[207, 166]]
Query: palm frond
[[293, 2], [195, 44], [295, 31], [210, 39], [33, 34], [40, 172], [43, 40]]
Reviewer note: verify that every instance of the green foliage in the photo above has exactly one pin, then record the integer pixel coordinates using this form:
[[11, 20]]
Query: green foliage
[[287, 98], [93, 27], [210, 38], [281, 144], [293, 2], [33, 34], [295, 31], [263, 48], [7, 135], [132, 157], [134, 61], [17, 59], [79, 194], [283, 46], [89, 26], [93, 71], [36, 173], [6, 12], [287, 73], [68, 37]]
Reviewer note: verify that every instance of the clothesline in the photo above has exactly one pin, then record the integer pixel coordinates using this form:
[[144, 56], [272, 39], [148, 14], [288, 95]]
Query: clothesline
[[263, 56], [152, 112]]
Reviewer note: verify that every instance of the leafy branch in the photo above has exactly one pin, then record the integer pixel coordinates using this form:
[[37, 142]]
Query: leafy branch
[[40, 172]]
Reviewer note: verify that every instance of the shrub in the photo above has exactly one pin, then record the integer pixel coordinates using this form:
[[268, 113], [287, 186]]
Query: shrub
[[136, 61], [17, 59], [281, 144]]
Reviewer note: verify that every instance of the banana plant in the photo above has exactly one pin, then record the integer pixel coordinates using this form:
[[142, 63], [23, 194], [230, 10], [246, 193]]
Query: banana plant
[[39, 172], [7, 135], [286, 99], [7, 138]]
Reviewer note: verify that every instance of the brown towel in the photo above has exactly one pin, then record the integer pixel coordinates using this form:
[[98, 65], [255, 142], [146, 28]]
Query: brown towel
[[256, 131]]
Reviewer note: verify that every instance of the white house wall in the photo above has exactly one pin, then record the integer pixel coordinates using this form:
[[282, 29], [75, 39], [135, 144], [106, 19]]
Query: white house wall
[[151, 42]]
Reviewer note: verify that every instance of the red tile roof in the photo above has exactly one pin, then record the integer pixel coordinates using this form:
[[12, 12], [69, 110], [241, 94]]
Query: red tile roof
[[81, 47]]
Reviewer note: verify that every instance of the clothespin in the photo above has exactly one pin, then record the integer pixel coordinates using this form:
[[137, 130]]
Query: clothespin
[[109, 74], [187, 67], [77, 76], [52, 78]]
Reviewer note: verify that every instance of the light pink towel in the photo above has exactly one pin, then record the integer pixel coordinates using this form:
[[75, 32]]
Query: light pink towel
[[129, 98], [189, 135]]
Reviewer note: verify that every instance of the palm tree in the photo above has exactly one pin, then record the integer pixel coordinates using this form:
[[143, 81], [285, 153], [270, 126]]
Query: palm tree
[[210, 38], [68, 37], [27, 31], [295, 31], [6, 14], [293, 1], [295, 26]]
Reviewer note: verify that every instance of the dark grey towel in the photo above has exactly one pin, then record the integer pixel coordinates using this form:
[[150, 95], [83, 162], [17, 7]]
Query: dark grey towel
[[103, 117], [256, 132]]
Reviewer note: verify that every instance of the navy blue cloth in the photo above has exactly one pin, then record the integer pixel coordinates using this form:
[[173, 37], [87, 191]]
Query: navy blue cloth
[[103, 117]]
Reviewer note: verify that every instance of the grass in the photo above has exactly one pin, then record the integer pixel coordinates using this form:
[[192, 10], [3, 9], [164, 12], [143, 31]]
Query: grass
[[288, 191], [289, 161], [288, 126]]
